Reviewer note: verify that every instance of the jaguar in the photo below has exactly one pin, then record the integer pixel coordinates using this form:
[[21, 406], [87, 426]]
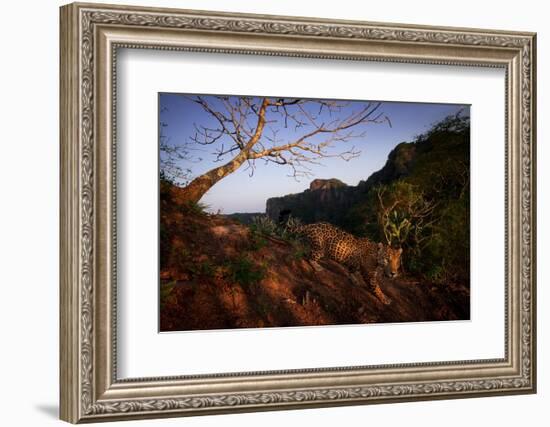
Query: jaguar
[[360, 255]]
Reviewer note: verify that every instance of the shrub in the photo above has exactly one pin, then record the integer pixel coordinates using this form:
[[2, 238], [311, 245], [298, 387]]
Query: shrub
[[196, 208], [264, 225], [244, 271], [300, 252], [426, 209], [202, 269], [165, 293], [257, 241]]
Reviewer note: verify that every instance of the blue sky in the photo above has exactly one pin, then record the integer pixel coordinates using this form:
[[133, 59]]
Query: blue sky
[[239, 192]]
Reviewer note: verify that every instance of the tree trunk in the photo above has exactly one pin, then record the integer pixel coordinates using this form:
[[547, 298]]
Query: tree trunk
[[194, 191]]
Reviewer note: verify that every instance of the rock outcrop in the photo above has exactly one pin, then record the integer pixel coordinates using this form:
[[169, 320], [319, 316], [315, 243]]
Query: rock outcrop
[[330, 199], [325, 200]]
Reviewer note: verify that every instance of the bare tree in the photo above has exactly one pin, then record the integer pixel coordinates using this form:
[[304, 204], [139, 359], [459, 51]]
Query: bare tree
[[296, 133]]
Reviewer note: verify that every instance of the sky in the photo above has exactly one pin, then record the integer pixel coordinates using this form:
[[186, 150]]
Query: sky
[[239, 192]]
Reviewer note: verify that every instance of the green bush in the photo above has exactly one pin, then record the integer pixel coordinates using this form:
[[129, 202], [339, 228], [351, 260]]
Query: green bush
[[300, 252], [244, 271], [165, 292], [427, 210], [202, 269], [264, 225], [197, 208]]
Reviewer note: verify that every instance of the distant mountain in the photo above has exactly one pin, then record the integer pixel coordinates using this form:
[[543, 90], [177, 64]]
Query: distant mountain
[[325, 200], [330, 199], [245, 218], [435, 153], [419, 200]]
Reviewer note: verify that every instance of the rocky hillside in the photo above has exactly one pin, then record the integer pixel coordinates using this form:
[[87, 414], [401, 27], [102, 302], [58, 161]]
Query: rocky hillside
[[217, 273]]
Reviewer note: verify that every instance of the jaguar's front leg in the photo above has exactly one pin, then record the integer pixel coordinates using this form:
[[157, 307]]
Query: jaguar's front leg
[[375, 287]]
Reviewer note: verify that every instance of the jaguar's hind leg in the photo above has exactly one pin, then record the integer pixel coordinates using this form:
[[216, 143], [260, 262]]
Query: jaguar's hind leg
[[316, 266], [354, 271], [356, 278], [316, 254]]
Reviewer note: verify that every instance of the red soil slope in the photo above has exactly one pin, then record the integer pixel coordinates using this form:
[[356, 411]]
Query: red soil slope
[[217, 274]]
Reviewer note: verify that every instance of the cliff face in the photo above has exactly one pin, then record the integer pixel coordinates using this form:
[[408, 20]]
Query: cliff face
[[330, 199], [325, 200], [400, 163], [326, 184]]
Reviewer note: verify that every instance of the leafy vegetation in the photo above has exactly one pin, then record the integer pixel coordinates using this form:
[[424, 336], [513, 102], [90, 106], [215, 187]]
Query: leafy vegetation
[[197, 208], [244, 271], [426, 211], [264, 225], [167, 185], [166, 294], [202, 269]]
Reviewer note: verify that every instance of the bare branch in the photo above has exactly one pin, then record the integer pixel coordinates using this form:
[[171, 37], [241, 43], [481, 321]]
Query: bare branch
[[292, 132]]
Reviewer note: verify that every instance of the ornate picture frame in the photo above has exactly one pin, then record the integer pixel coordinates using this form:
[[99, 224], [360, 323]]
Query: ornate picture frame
[[90, 37]]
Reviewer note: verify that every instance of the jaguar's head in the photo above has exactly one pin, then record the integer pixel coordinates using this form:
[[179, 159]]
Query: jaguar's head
[[389, 259]]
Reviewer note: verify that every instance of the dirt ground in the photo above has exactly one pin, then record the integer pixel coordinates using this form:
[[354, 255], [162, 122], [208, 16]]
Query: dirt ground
[[216, 274]]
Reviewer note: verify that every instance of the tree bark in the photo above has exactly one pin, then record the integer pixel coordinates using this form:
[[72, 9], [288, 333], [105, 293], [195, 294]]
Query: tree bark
[[194, 191]]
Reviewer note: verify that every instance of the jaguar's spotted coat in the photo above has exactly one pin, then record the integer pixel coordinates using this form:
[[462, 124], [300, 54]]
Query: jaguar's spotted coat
[[360, 255]]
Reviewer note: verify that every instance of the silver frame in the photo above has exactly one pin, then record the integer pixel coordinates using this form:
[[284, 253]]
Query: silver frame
[[90, 37]]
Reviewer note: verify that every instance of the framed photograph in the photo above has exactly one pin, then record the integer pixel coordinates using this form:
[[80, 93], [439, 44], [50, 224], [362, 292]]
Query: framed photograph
[[267, 212]]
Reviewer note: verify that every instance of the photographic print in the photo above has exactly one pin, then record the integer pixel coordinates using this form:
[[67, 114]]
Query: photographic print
[[278, 212], [302, 205]]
